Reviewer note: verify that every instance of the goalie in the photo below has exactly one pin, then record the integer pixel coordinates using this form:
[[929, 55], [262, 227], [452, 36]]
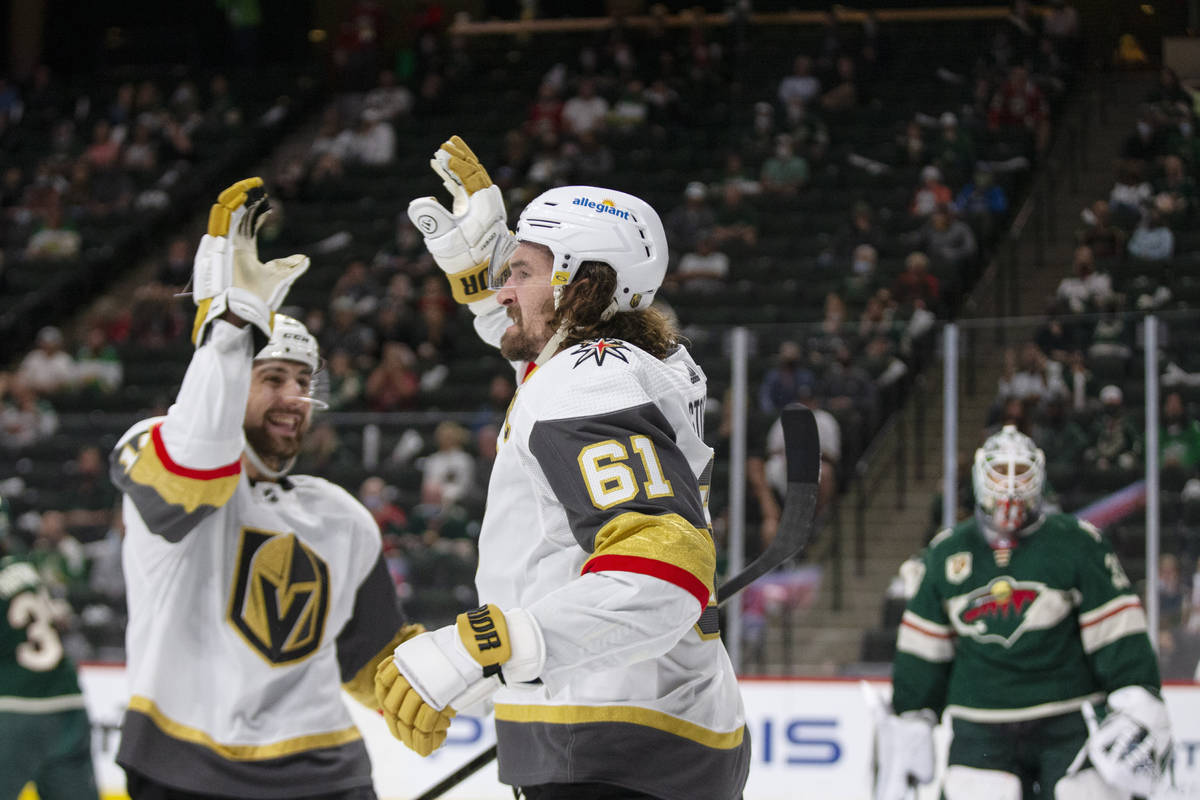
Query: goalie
[[1020, 622], [597, 640], [252, 593]]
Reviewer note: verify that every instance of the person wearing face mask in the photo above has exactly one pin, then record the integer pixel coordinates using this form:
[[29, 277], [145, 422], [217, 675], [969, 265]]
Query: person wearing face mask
[[1018, 621], [254, 595]]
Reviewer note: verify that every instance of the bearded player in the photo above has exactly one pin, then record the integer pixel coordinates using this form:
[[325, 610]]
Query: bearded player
[[254, 595], [1020, 623], [597, 637]]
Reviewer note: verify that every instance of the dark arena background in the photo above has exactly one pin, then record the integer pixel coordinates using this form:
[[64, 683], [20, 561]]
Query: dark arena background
[[925, 220]]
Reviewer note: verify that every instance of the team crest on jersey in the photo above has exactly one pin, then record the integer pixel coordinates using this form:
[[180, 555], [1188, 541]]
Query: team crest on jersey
[[600, 349], [1004, 609], [280, 595], [958, 567]]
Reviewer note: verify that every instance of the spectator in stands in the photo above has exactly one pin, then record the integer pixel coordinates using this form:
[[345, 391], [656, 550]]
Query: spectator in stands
[[545, 115], [379, 499], [1168, 89], [704, 270], [916, 283], [1148, 141], [1105, 239], [436, 337], [105, 150], [737, 221], [1152, 240], [1175, 193], [1061, 26], [345, 383], [141, 154], [877, 318], [953, 149], [1031, 376], [357, 283], [911, 147], [1113, 440], [629, 113], [24, 417], [982, 203], [348, 333], [97, 364], [688, 222], [1018, 104], [494, 407], [801, 87], [931, 193], [1086, 290], [58, 555], [1061, 438], [373, 142], [848, 390], [859, 281], [390, 99], [789, 381], [55, 240], [1130, 194], [585, 112], [1179, 435], [92, 496], [785, 172], [1056, 340], [449, 471], [829, 434], [176, 268], [157, 318], [862, 228], [394, 384], [844, 94], [48, 368], [949, 242], [589, 159]]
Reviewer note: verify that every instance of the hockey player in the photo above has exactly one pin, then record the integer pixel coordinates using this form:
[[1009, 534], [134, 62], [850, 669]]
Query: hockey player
[[252, 593], [45, 736], [597, 637], [1019, 622]]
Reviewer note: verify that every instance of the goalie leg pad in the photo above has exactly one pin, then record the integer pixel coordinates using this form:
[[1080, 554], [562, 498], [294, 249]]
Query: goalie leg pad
[[971, 783], [1086, 784]]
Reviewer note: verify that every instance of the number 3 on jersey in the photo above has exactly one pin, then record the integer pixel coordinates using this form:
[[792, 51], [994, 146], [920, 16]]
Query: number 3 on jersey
[[42, 649], [610, 478]]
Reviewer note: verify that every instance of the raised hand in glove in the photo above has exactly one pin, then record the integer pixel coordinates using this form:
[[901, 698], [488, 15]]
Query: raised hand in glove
[[465, 241], [227, 275], [432, 676]]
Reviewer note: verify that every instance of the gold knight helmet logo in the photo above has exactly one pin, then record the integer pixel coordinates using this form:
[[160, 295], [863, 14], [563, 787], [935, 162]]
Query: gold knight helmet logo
[[280, 596]]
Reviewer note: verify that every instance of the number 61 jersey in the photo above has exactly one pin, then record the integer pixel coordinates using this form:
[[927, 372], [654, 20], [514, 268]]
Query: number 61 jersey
[[597, 525]]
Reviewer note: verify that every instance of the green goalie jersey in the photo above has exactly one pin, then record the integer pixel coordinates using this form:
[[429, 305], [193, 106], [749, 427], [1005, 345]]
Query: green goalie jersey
[[1008, 635], [36, 676]]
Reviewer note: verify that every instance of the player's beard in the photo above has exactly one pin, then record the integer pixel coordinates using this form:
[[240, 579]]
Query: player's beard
[[518, 342], [273, 449]]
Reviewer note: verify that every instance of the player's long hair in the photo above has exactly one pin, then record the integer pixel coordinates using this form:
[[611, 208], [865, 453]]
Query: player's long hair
[[584, 302]]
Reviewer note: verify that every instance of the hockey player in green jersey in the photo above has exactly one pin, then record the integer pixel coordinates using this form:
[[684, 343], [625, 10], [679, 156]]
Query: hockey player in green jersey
[[1020, 621], [45, 736]]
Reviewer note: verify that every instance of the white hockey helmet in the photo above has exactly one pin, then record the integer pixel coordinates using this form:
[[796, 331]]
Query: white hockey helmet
[[588, 223], [291, 341], [1008, 476]]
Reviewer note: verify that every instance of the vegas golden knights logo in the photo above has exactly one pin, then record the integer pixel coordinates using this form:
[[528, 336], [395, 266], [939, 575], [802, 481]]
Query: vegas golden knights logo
[[280, 595]]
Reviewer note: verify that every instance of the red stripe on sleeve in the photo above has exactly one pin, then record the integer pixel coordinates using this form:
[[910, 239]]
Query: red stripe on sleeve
[[160, 449], [1125, 607], [926, 631], [655, 569]]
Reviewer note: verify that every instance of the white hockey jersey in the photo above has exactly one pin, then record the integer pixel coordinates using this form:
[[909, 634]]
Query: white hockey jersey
[[249, 603], [596, 524]]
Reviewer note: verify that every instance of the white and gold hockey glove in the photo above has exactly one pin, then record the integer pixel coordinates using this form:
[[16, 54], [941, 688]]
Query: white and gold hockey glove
[[227, 275], [1131, 748], [432, 677], [466, 239]]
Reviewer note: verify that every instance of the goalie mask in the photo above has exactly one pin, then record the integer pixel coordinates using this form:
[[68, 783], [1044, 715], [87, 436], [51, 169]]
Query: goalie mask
[[1008, 476], [587, 223]]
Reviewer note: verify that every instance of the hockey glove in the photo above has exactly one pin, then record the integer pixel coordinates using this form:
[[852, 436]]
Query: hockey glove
[[1131, 748], [227, 275], [465, 241], [904, 751], [432, 676]]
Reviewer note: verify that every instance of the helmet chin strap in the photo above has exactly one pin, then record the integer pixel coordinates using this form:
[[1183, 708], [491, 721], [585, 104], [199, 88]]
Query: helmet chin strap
[[263, 469]]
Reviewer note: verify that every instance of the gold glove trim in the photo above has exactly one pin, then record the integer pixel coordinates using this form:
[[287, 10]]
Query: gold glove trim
[[465, 165], [471, 284], [229, 201], [484, 631]]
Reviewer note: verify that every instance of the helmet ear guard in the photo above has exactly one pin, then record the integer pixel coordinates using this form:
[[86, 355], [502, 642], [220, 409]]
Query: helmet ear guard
[[588, 223], [1008, 477]]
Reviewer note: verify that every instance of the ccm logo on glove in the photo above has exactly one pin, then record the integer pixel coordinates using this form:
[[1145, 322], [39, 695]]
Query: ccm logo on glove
[[484, 632]]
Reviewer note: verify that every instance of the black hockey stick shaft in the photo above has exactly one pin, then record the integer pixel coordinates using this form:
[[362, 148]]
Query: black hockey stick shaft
[[802, 450]]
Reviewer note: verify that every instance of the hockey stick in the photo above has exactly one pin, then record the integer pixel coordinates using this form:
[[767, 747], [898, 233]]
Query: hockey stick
[[802, 450]]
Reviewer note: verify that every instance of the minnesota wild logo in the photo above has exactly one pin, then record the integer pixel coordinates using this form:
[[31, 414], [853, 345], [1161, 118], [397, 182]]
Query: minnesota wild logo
[[599, 349], [1003, 610]]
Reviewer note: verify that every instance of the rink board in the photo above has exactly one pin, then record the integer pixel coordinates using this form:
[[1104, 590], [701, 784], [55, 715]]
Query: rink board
[[811, 739]]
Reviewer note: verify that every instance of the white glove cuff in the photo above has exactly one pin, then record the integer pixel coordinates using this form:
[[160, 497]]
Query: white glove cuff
[[528, 647], [1142, 706], [427, 662], [212, 270]]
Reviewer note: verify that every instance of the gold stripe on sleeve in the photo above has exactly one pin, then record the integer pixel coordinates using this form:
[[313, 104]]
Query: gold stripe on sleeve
[[669, 538]]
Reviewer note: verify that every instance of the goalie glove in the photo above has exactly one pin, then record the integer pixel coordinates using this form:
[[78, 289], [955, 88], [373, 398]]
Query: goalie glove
[[227, 275], [431, 677], [904, 752], [1131, 748], [468, 239]]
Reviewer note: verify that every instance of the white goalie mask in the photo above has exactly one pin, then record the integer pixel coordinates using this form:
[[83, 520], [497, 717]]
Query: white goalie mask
[[1008, 476], [587, 223]]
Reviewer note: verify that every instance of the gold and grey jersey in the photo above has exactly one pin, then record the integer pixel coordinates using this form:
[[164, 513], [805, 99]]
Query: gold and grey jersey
[[250, 604], [597, 525]]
